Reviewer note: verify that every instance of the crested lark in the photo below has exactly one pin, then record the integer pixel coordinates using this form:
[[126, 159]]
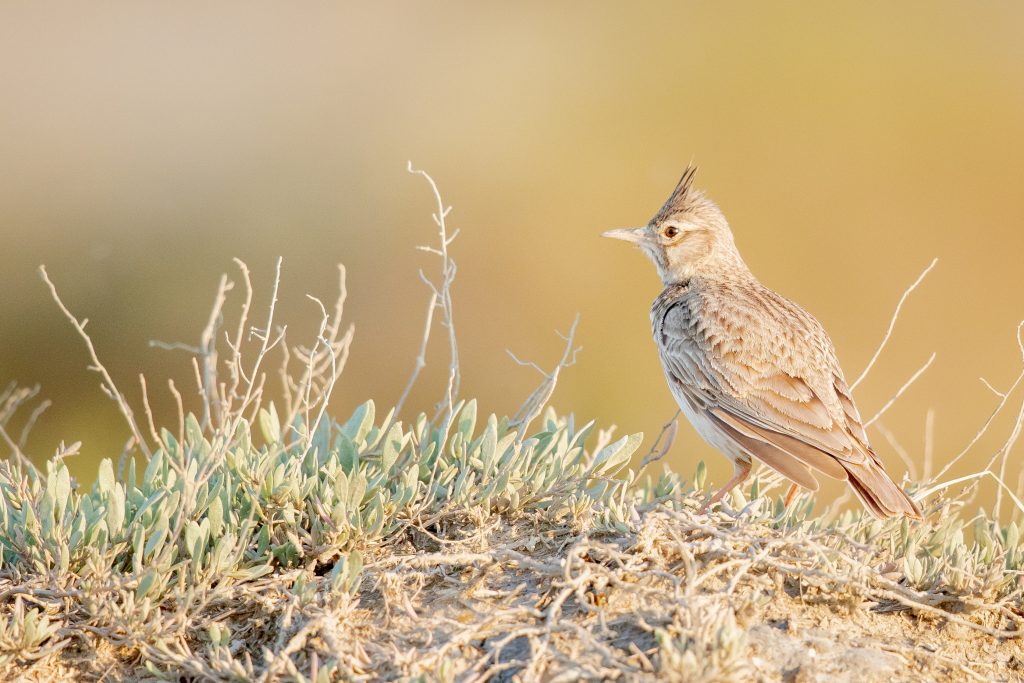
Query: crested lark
[[755, 374]]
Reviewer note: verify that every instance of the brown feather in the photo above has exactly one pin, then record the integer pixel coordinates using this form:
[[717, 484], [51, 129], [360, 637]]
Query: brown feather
[[872, 483], [788, 387], [865, 497], [779, 460], [808, 455]]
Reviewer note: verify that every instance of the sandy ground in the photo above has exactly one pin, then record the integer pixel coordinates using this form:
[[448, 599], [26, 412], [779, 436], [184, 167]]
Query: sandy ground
[[680, 598]]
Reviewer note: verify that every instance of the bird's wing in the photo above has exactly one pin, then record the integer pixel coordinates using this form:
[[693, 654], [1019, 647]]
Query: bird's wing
[[768, 377]]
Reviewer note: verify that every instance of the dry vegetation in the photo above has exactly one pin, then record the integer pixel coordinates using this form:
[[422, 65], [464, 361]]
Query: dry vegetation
[[263, 540]]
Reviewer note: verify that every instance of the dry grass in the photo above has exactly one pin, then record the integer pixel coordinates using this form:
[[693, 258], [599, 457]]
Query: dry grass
[[739, 595], [273, 544]]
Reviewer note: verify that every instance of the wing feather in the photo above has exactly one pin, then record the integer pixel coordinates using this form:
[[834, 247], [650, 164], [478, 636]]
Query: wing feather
[[767, 453], [767, 393], [808, 455]]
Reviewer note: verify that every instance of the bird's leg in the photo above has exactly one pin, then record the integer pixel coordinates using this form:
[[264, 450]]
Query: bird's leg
[[742, 471], [790, 495]]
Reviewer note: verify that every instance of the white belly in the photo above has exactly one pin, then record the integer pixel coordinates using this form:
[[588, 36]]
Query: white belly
[[707, 429]]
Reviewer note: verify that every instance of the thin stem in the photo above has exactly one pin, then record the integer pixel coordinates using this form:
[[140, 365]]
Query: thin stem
[[892, 323], [108, 383]]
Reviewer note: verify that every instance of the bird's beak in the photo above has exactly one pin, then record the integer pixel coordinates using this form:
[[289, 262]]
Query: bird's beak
[[634, 235]]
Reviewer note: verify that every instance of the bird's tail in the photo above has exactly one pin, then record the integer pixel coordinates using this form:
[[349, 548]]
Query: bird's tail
[[878, 492]]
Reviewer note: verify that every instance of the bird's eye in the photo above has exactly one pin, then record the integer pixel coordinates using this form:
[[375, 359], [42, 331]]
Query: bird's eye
[[671, 231]]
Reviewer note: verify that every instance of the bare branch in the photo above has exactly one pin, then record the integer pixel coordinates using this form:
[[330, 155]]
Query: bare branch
[[892, 323], [108, 383], [332, 348], [668, 431], [235, 366], [908, 462], [265, 346], [539, 397], [906, 385], [324, 363], [31, 421], [16, 451], [173, 346], [212, 403], [992, 388], [921, 495], [181, 410], [992, 416], [149, 411], [526, 363], [441, 297]]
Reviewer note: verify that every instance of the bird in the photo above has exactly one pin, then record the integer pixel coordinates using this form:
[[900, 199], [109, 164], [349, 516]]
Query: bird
[[755, 374]]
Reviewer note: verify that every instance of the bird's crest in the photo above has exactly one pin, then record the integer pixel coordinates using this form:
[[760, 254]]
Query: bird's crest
[[677, 201]]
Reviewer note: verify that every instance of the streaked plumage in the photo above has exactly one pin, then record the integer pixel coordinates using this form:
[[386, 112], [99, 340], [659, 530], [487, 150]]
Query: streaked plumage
[[755, 373]]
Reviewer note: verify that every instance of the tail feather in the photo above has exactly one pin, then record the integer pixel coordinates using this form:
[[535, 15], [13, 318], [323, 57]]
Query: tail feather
[[879, 493]]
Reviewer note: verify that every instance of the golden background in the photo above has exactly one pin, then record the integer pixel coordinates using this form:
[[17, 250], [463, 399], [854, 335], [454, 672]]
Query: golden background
[[143, 147]]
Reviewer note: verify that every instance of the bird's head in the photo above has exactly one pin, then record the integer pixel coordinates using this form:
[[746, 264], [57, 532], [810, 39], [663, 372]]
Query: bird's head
[[689, 236]]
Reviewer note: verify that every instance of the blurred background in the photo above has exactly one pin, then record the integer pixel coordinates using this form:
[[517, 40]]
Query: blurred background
[[144, 146]]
